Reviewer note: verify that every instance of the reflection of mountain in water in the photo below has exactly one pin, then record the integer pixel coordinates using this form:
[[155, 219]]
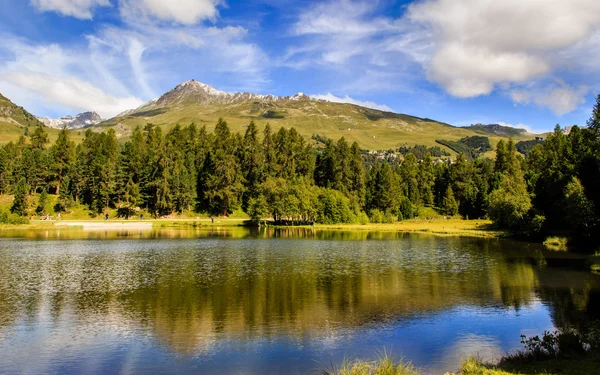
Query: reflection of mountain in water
[[195, 294]]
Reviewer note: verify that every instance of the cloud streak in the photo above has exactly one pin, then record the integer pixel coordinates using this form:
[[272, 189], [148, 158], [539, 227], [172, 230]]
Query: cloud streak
[[82, 9], [346, 99]]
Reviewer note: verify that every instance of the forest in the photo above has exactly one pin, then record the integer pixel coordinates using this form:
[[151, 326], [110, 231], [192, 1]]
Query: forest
[[554, 189]]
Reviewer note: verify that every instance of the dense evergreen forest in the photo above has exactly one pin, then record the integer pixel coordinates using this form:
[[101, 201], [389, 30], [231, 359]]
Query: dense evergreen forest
[[554, 189]]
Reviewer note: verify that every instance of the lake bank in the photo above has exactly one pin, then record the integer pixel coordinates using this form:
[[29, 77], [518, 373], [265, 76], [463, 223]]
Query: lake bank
[[451, 227]]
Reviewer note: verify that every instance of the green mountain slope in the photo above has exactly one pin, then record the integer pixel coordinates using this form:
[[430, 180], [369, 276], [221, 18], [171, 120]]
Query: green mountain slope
[[15, 120], [373, 129]]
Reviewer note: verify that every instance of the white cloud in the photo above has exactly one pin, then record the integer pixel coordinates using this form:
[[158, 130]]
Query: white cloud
[[336, 99], [561, 98], [81, 9], [516, 126], [466, 71], [480, 44], [123, 66], [69, 79], [186, 12], [72, 93], [469, 47]]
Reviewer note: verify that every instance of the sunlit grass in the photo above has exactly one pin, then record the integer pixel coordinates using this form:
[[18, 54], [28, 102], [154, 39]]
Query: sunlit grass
[[383, 366], [556, 243], [451, 227]]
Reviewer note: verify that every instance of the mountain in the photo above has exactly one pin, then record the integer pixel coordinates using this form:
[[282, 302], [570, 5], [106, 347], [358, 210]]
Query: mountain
[[14, 115], [14, 120], [498, 130], [73, 122], [199, 103]]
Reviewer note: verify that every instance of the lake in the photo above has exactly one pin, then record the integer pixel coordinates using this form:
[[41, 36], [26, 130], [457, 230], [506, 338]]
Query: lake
[[298, 301]]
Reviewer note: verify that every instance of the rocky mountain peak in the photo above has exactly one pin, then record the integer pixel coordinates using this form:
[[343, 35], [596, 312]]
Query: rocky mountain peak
[[73, 122]]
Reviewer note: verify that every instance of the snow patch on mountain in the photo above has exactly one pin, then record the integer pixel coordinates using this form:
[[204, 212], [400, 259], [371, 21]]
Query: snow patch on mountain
[[79, 121]]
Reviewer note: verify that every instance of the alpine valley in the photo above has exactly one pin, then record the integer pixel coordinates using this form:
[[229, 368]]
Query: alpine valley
[[199, 103]]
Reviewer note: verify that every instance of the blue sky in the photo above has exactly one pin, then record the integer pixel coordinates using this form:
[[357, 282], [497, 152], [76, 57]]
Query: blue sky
[[530, 63]]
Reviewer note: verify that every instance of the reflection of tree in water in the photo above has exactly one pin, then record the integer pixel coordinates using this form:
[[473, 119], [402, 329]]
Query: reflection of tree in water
[[573, 296], [194, 294]]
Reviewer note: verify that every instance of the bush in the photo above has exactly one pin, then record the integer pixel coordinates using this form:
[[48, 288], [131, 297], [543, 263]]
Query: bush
[[376, 216], [407, 210], [389, 218], [362, 218], [6, 218], [334, 208]]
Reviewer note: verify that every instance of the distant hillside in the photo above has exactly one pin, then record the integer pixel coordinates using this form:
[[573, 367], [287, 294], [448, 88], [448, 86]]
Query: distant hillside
[[201, 104], [14, 120], [12, 114], [498, 130], [73, 122]]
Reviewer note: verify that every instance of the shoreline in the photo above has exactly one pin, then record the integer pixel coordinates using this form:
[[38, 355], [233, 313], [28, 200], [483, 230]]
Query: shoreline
[[440, 227]]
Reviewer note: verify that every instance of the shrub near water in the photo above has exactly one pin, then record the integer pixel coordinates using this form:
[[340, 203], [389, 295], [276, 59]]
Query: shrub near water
[[6, 218], [383, 366]]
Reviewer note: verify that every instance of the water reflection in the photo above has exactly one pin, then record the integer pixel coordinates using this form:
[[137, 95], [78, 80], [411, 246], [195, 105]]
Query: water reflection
[[201, 298]]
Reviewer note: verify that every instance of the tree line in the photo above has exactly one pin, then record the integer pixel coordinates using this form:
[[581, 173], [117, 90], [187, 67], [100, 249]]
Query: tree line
[[554, 189]]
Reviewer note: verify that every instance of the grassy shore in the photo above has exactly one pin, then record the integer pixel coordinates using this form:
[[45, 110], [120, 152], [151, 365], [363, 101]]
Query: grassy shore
[[450, 227], [589, 364], [387, 366]]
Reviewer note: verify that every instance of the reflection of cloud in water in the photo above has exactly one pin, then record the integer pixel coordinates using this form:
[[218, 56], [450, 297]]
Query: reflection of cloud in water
[[488, 348]]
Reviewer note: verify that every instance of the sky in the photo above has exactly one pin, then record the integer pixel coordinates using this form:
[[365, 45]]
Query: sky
[[524, 63]]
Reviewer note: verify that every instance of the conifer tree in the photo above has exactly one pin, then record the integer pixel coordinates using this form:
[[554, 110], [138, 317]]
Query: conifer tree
[[19, 205], [594, 121], [39, 138], [270, 157], [252, 162], [62, 156], [450, 205], [42, 203], [427, 180]]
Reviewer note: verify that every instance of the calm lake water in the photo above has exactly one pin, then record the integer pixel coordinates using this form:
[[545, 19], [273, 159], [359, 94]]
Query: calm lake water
[[236, 301]]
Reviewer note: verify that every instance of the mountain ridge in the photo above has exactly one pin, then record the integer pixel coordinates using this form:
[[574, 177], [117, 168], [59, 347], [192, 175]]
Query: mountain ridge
[[78, 121], [199, 103]]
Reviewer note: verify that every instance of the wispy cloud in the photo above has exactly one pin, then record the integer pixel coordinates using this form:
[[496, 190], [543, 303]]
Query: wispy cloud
[[480, 46], [186, 12], [470, 48], [82, 9], [346, 99], [110, 71]]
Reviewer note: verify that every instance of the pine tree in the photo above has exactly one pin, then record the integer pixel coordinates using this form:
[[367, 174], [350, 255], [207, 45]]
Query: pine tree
[[62, 155], [222, 181], [19, 206], [39, 138], [42, 203], [270, 156], [252, 162], [427, 180], [450, 205], [594, 121], [357, 174]]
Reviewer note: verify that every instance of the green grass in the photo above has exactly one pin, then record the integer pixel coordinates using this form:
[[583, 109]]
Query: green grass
[[383, 366], [451, 227], [373, 130], [556, 243], [589, 364]]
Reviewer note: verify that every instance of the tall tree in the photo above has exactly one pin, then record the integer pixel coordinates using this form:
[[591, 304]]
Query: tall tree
[[62, 156], [252, 162], [19, 205]]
